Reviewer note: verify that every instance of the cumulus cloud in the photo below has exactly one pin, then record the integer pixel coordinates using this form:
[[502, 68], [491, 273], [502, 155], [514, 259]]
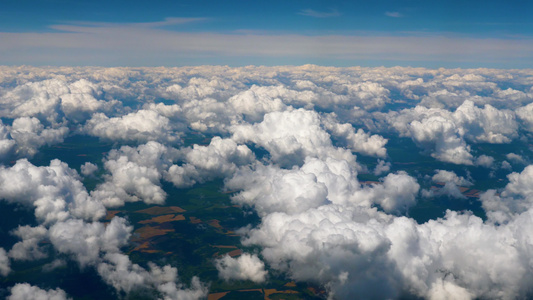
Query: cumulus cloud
[[382, 167], [201, 163], [88, 168], [255, 102], [30, 134], [245, 267], [451, 183], [317, 223], [290, 136], [516, 158], [488, 124], [525, 115], [55, 191], [123, 275], [135, 174], [359, 141], [6, 143], [52, 99], [446, 133], [28, 248], [140, 126], [450, 176], [85, 241], [396, 193], [484, 161], [516, 197], [35, 99], [22, 291]]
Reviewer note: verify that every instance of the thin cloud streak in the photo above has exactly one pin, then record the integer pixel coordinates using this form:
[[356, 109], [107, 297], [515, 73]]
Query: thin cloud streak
[[166, 22], [393, 14], [102, 42], [319, 14]]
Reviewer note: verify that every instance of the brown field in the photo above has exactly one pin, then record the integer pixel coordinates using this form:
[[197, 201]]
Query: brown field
[[216, 296], [163, 219], [215, 223], [195, 220], [111, 213], [161, 210], [252, 290], [290, 284], [369, 182], [145, 248], [463, 189], [224, 247], [269, 292], [147, 232], [473, 193], [316, 291], [235, 252]]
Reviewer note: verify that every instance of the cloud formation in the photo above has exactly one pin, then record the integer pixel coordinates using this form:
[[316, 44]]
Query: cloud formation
[[23, 291], [322, 155], [244, 267]]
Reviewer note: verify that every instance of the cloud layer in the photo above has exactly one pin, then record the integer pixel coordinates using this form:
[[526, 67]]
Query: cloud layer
[[322, 155]]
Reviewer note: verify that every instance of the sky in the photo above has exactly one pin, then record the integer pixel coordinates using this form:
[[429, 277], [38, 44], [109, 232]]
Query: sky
[[495, 34]]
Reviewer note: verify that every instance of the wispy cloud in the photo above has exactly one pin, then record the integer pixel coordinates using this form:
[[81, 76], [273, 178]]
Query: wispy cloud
[[319, 14], [136, 45], [166, 22], [393, 14]]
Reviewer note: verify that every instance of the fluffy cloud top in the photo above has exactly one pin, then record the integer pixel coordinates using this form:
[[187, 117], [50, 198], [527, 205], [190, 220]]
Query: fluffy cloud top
[[22, 291], [317, 223], [55, 191], [244, 267], [141, 126], [290, 136]]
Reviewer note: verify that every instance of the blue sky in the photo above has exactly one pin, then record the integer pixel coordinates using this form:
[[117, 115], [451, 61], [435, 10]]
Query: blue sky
[[341, 33]]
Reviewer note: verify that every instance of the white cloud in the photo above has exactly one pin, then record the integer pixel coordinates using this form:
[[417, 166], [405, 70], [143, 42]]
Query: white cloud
[[28, 248], [55, 191], [6, 144], [516, 158], [397, 193], [516, 197], [525, 114], [382, 167], [135, 175], [290, 136], [85, 241], [88, 168], [23, 291], [259, 100], [359, 141], [141, 126], [123, 275], [202, 163], [484, 161], [450, 176], [486, 125], [244, 267], [30, 134], [318, 223]]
